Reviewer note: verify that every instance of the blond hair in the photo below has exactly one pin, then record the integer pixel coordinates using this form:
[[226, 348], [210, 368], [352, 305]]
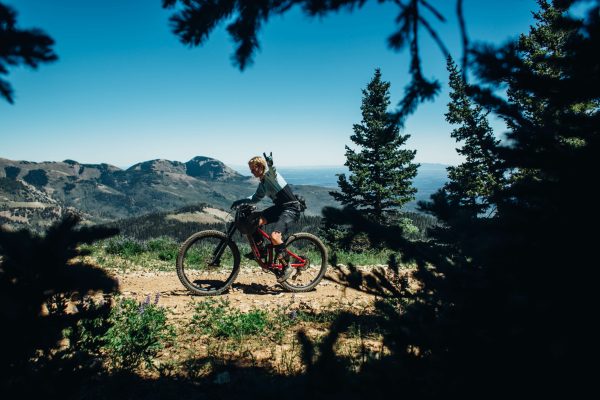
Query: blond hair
[[258, 160]]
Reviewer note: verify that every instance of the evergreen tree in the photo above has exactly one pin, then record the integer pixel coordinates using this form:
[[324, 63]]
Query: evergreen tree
[[472, 185], [381, 171], [541, 51]]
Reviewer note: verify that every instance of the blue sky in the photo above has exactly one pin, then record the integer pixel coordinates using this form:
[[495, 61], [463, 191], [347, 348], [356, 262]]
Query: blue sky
[[125, 90]]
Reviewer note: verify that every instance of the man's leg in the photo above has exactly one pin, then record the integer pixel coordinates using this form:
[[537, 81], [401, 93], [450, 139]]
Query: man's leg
[[257, 236], [258, 240], [281, 227]]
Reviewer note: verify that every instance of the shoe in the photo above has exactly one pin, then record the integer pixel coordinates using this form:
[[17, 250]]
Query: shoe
[[285, 274], [284, 258]]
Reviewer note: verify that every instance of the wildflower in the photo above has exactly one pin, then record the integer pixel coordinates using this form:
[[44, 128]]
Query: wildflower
[[144, 304]]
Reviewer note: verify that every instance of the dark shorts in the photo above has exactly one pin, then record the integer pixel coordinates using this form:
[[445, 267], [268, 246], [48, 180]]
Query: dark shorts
[[279, 218]]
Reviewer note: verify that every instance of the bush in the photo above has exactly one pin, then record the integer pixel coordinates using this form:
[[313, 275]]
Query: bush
[[125, 247], [138, 332], [87, 336], [217, 319], [165, 248], [342, 238]]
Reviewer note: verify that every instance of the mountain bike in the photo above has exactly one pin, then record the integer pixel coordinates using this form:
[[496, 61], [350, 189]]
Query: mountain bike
[[208, 262]]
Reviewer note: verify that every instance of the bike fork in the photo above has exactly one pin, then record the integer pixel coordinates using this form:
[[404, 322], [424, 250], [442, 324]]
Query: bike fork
[[218, 252]]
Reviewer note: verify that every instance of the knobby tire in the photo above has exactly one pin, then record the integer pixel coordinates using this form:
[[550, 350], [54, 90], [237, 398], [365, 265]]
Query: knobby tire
[[308, 238], [206, 236]]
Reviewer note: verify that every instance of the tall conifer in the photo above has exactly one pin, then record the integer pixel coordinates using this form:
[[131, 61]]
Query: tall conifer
[[381, 171], [472, 184]]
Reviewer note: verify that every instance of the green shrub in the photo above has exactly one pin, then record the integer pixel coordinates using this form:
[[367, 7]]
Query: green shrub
[[87, 336], [137, 333], [160, 244], [166, 249], [124, 246], [218, 319]]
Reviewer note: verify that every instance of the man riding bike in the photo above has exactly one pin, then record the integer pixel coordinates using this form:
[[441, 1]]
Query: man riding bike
[[285, 211]]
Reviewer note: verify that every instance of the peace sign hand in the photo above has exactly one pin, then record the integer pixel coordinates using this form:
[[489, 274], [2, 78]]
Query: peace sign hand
[[269, 158]]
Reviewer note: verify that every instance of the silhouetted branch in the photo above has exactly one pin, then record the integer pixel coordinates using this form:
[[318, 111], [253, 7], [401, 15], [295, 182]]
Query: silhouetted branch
[[194, 20], [30, 47]]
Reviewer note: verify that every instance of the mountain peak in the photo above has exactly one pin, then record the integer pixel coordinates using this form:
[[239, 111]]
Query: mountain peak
[[158, 165], [209, 168], [202, 158]]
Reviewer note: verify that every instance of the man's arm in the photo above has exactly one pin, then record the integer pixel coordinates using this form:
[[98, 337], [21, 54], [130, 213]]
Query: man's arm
[[258, 195], [255, 198]]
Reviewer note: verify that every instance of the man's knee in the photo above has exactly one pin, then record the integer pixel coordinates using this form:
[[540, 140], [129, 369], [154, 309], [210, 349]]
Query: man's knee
[[276, 236]]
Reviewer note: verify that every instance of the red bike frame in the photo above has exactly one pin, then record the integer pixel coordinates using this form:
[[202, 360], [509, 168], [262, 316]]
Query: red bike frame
[[295, 260]]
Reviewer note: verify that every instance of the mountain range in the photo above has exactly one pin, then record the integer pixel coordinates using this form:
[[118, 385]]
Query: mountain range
[[36, 194]]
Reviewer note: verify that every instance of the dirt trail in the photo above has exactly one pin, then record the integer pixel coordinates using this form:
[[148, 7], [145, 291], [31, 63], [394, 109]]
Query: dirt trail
[[252, 289]]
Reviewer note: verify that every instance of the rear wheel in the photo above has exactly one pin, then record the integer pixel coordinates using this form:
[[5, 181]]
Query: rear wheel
[[200, 271], [308, 258]]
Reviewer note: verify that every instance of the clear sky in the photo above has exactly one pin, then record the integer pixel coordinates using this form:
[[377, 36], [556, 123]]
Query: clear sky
[[125, 90]]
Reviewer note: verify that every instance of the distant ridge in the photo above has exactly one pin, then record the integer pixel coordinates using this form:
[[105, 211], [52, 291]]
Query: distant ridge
[[33, 194]]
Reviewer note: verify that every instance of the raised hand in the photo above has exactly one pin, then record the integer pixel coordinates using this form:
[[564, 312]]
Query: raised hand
[[269, 158]]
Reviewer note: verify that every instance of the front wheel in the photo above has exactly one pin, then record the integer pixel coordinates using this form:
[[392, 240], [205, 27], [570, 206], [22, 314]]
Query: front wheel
[[208, 263], [308, 258]]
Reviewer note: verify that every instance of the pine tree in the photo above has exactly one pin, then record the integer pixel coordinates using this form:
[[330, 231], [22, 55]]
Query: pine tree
[[472, 184], [381, 171], [543, 51]]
